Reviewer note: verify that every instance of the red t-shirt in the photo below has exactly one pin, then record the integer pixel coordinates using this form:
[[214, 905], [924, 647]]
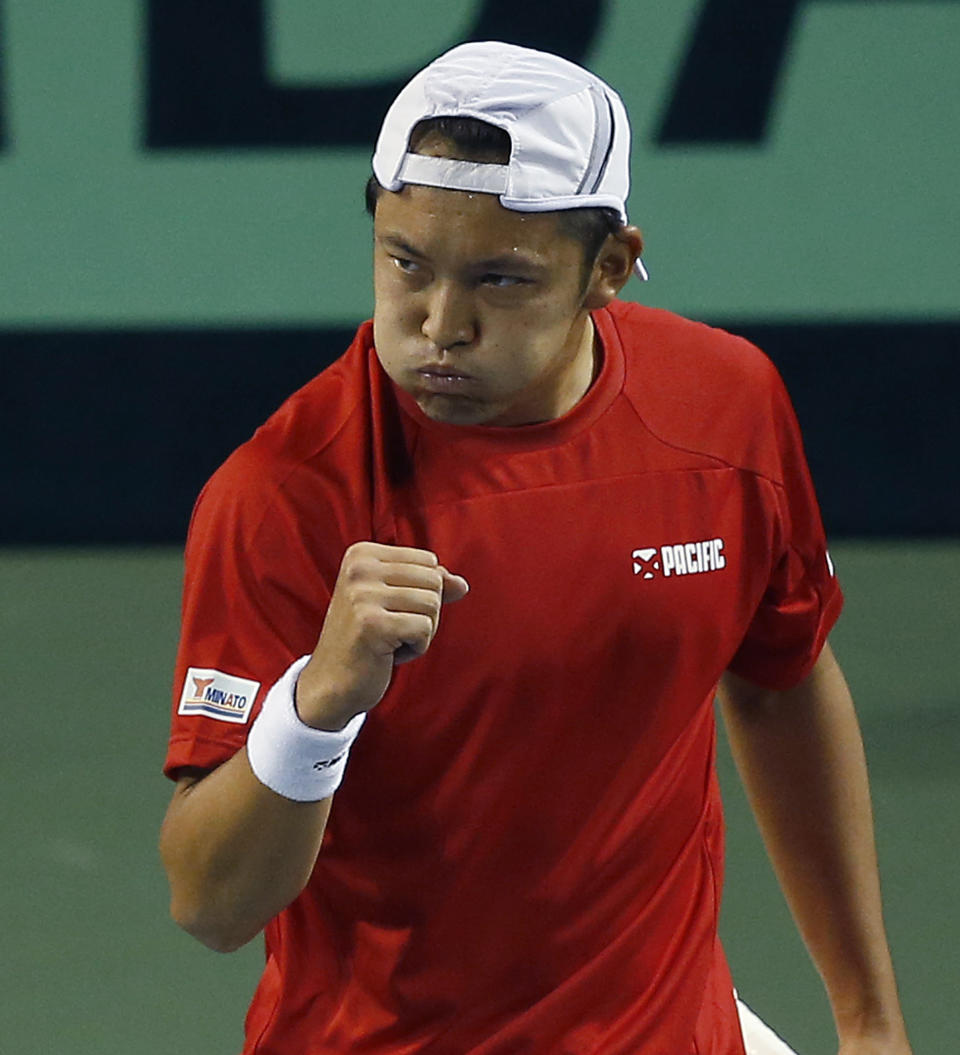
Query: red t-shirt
[[526, 853]]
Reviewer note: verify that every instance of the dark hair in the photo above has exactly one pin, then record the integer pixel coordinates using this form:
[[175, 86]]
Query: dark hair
[[475, 140]]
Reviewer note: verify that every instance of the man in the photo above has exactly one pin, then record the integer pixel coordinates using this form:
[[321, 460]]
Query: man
[[610, 507]]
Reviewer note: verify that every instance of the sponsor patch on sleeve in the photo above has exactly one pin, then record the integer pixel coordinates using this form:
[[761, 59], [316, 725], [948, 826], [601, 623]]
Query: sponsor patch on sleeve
[[213, 694]]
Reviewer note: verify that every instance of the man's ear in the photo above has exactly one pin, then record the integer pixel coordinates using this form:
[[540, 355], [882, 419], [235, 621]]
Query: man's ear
[[613, 266]]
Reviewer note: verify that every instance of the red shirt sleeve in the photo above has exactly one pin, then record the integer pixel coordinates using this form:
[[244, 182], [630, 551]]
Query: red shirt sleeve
[[802, 600], [253, 601]]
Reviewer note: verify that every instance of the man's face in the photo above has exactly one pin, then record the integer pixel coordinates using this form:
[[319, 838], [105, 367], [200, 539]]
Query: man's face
[[479, 311]]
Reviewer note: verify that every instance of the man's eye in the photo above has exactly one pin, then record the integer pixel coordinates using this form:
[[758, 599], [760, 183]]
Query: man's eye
[[408, 267], [502, 281]]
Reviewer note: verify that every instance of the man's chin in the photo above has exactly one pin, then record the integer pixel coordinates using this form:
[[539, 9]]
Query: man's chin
[[453, 410]]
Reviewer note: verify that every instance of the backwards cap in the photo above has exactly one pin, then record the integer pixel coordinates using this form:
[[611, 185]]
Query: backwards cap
[[569, 133]]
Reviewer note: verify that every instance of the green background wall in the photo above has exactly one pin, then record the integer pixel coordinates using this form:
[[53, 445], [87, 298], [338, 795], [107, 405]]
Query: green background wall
[[182, 238], [846, 208], [182, 242], [93, 966]]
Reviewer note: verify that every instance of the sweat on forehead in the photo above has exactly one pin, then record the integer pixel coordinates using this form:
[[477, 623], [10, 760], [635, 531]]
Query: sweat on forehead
[[588, 229]]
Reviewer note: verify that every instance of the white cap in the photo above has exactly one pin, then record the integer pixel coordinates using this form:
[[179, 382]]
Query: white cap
[[569, 132]]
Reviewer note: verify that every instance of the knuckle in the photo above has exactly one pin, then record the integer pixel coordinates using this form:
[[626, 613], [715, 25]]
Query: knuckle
[[353, 569], [354, 551], [369, 620], [361, 569], [365, 593]]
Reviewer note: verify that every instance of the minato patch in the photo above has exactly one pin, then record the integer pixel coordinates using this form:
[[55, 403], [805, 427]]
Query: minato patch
[[212, 694]]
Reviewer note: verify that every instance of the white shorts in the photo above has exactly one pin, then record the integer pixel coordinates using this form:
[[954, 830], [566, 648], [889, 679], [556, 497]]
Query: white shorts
[[758, 1037]]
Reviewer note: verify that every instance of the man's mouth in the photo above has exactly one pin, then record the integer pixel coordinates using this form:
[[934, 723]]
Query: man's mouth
[[443, 371], [444, 378]]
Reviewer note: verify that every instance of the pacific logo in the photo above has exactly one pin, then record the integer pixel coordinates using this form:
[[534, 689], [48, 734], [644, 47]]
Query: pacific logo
[[214, 694], [680, 558]]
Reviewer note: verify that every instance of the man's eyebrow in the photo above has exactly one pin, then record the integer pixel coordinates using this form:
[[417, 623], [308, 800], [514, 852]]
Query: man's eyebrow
[[504, 262], [396, 242], [509, 262]]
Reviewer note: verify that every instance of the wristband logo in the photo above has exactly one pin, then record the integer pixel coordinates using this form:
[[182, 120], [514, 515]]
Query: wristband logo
[[214, 694], [327, 763], [680, 558]]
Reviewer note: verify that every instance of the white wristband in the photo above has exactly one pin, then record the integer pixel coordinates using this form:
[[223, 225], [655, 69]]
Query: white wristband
[[292, 758]]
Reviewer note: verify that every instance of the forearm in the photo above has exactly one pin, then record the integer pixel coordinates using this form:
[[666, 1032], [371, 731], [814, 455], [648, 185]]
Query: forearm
[[801, 758], [236, 853]]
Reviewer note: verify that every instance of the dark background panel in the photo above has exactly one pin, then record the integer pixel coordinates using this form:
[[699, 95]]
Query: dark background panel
[[724, 88], [108, 436], [877, 404]]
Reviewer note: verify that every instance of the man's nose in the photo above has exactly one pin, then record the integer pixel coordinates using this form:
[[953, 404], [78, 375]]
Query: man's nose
[[449, 318]]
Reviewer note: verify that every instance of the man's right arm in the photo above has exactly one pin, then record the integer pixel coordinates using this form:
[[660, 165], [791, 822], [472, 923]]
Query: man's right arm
[[236, 852]]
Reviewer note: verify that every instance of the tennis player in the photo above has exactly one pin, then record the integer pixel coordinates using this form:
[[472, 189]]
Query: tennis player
[[455, 618]]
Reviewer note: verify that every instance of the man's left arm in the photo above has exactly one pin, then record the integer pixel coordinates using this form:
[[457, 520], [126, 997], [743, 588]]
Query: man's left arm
[[800, 756]]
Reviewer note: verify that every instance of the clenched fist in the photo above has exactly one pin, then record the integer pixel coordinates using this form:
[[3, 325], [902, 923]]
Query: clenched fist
[[385, 610]]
